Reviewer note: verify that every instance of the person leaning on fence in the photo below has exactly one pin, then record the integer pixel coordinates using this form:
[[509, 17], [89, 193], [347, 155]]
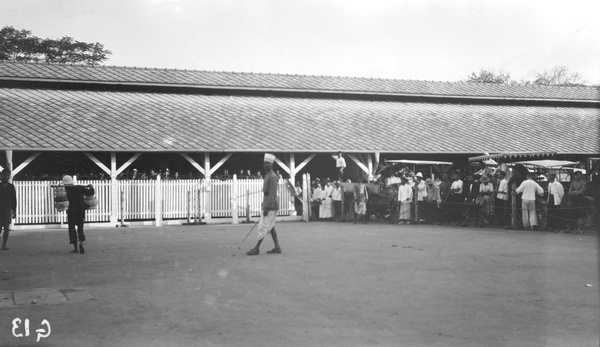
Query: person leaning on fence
[[8, 206], [361, 195], [270, 206], [555, 195], [529, 188], [76, 211]]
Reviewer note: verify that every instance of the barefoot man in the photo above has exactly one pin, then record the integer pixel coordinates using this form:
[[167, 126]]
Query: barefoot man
[[270, 206]]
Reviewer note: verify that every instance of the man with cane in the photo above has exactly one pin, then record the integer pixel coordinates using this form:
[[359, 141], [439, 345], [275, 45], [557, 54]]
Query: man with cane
[[270, 206]]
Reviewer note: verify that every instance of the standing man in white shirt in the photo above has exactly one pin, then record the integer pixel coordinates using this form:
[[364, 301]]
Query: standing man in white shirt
[[340, 164], [337, 201], [421, 189], [530, 189], [456, 199], [502, 206], [555, 195]]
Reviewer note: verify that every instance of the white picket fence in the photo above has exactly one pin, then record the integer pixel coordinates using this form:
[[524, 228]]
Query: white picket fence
[[136, 199]]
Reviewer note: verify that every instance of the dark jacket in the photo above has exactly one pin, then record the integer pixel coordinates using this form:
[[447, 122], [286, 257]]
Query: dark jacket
[[8, 197]]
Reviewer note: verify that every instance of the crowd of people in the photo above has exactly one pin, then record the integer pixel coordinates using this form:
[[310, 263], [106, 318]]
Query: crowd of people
[[483, 195]]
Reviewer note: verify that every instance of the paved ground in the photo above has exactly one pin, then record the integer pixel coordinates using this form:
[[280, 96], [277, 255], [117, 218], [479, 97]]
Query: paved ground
[[336, 284]]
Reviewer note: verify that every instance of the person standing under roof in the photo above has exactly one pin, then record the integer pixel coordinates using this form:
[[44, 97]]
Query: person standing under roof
[[421, 189], [405, 196], [76, 211], [8, 206], [270, 206], [433, 200], [555, 195], [337, 201], [502, 205], [576, 193], [530, 189], [325, 211], [361, 195], [340, 164]]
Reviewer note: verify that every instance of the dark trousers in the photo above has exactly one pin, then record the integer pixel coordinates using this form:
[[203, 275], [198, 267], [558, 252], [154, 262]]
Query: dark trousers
[[76, 219], [553, 214], [502, 211], [337, 209], [433, 212], [455, 208], [422, 213]]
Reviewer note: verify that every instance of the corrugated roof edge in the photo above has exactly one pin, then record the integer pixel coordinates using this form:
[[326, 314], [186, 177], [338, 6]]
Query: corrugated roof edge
[[395, 87], [104, 66]]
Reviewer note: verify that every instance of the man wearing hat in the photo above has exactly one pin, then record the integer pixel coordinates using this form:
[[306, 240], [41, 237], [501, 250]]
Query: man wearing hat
[[555, 195], [76, 211], [270, 206], [8, 205]]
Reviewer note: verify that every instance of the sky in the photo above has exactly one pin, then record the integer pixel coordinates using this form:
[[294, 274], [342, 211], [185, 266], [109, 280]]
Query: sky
[[439, 40]]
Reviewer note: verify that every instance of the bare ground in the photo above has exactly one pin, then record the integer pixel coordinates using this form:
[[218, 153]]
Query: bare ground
[[336, 284]]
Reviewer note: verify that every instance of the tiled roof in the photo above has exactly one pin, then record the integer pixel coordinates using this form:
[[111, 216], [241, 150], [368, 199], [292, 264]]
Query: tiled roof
[[57, 120], [151, 76]]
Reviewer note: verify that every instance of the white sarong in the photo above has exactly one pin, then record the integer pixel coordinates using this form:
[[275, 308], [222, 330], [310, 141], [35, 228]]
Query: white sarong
[[266, 223]]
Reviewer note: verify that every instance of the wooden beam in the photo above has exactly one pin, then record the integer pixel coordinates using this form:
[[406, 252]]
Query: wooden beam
[[221, 162], [306, 161], [282, 165], [194, 163], [97, 162], [25, 163], [129, 162], [358, 162]]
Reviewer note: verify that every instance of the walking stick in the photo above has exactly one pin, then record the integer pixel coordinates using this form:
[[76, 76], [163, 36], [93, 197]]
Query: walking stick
[[254, 226]]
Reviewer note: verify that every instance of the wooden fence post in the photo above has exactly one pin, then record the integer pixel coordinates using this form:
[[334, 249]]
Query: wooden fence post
[[157, 202], [234, 200]]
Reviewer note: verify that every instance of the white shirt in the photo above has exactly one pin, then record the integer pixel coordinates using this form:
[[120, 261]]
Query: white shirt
[[556, 189], [421, 188], [337, 194], [340, 162], [457, 185], [503, 189], [405, 193], [529, 188]]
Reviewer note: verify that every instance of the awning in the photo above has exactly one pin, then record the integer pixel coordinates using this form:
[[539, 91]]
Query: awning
[[512, 156], [549, 163], [419, 162]]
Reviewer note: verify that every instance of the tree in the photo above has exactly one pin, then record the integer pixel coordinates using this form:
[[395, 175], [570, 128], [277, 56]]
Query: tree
[[21, 45], [490, 76], [559, 76]]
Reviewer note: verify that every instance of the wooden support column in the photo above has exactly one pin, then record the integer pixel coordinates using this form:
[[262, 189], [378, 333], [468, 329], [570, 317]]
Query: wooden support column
[[305, 198], [158, 201], [9, 164], [114, 190], [369, 167], [207, 191]]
